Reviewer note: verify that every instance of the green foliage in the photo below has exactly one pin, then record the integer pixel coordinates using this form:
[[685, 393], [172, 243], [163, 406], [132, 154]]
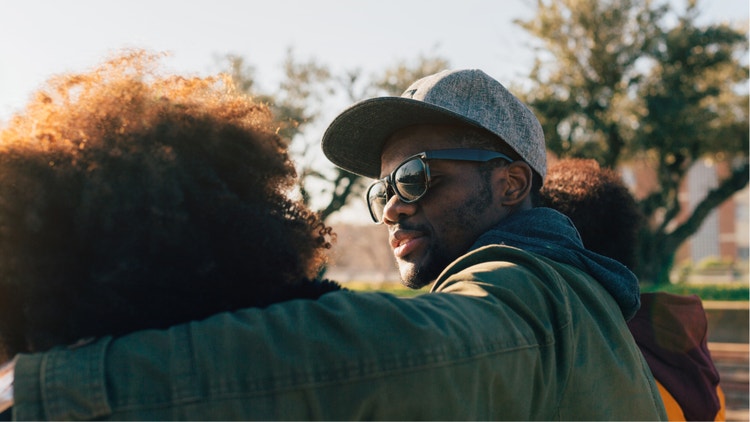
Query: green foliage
[[393, 288], [583, 74], [716, 263], [397, 78], [728, 291], [636, 81], [303, 84]]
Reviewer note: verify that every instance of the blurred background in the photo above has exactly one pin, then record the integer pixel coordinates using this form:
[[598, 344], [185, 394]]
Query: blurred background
[[657, 90]]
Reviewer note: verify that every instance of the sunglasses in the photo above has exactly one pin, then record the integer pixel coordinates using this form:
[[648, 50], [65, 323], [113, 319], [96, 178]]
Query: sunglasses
[[411, 179]]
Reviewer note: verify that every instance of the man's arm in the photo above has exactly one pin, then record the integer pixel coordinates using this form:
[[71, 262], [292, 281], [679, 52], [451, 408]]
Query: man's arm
[[347, 355]]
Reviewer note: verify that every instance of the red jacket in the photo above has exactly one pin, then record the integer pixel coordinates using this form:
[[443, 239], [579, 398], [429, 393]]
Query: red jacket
[[671, 331]]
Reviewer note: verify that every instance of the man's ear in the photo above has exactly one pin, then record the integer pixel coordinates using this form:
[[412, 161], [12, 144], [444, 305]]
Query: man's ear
[[517, 186]]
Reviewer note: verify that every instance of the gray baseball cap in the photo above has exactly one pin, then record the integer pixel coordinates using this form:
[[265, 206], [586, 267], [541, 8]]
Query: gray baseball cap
[[355, 139]]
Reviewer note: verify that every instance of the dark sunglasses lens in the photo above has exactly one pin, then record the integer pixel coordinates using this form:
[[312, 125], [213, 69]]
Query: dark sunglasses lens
[[411, 180], [376, 199]]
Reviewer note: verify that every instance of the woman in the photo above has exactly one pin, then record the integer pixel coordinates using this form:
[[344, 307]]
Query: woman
[[132, 200]]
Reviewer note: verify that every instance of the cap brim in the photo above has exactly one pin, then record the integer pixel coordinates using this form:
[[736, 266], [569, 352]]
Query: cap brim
[[354, 140]]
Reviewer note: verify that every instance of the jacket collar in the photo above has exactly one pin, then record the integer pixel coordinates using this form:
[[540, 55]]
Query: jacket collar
[[551, 234]]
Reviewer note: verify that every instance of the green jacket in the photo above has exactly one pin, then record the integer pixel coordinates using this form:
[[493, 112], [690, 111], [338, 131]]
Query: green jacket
[[505, 334]]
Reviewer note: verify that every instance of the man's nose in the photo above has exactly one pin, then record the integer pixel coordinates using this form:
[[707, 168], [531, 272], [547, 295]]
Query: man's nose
[[396, 209]]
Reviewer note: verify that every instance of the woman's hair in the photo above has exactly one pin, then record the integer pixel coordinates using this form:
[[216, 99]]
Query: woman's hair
[[132, 200], [599, 204]]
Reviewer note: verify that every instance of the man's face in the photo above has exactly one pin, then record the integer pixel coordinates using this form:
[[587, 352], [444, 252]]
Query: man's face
[[460, 205]]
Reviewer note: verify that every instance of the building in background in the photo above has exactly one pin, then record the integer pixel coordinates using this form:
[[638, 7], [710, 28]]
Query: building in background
[[722, 242]]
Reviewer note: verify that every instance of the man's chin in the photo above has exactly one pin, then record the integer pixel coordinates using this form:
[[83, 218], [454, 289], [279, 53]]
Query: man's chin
[[418, 271], [414, 277], [414, 284]]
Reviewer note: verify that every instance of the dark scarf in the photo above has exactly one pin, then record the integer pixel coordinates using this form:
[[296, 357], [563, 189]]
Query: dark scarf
[[548, 233]]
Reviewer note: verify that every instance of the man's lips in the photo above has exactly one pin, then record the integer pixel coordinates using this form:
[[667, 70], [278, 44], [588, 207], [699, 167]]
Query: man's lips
[[404, 242]]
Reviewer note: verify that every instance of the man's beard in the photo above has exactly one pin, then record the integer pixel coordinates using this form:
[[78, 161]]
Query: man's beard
[[418, 276], [438, 257]]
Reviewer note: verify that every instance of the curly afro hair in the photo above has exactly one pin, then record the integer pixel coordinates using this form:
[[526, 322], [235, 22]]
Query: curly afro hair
[[599, 204], [133, 200]]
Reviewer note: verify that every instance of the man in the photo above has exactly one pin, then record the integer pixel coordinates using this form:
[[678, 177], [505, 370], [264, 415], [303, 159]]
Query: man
[[522, 321]]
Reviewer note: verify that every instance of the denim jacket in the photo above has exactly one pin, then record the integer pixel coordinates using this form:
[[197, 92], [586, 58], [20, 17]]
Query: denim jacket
[[504, 334]]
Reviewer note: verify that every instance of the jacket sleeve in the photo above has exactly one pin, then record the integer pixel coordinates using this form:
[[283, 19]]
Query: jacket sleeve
[[348, 355]]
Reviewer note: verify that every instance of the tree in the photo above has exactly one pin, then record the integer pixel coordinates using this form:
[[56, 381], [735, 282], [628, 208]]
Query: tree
[[399, 76], [304, 101], [303, 84], [627, 81]]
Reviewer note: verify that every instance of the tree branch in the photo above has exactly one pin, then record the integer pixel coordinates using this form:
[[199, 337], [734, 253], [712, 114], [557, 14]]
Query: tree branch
[[728, 187]]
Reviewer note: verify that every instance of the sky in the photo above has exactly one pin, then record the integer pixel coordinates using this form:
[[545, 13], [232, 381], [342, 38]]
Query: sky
[[41, 38]]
